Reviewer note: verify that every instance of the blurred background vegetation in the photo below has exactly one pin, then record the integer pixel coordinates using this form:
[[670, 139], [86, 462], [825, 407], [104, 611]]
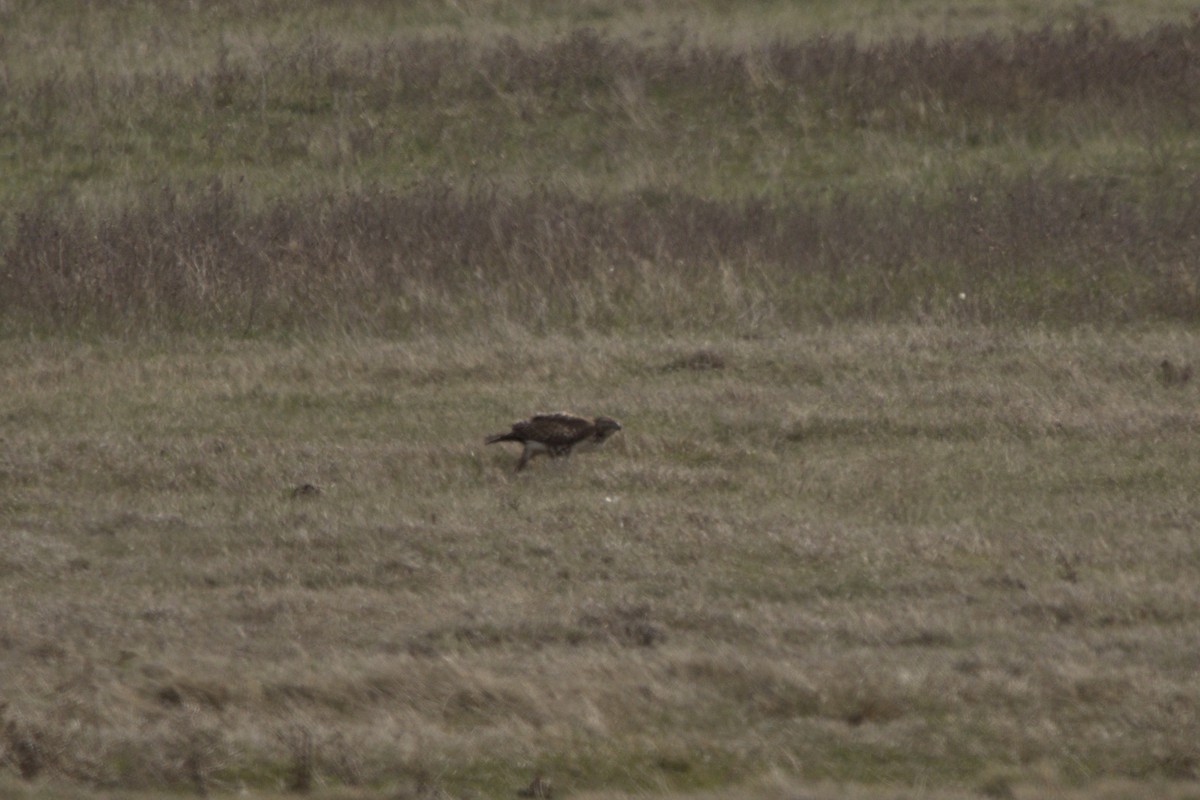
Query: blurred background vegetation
[[242, 168]]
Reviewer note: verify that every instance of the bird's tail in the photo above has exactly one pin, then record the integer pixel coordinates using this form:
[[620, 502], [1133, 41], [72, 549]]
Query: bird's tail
[[501, 437]]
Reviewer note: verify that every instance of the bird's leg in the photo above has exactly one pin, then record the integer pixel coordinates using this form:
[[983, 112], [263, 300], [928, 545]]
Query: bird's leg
[[525, 454]]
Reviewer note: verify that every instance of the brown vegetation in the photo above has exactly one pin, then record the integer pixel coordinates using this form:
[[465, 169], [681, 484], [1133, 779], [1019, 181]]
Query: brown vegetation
[[901, 330], [1044, 248], [927, 555], [496, 237]]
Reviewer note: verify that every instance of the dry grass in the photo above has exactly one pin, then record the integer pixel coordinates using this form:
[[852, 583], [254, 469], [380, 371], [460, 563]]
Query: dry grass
[[943, 556], [270, 271], [587, 180], [1041, 247]]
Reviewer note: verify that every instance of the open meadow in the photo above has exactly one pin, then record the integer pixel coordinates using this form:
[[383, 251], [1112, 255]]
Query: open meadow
[[898, 304]]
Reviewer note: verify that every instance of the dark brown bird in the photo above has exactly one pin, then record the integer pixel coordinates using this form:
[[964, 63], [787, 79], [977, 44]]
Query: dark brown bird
[[557, 435]]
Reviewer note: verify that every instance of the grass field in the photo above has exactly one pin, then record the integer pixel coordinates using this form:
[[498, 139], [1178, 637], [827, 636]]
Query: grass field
[[898, 304], [299, 179], [915, 556]]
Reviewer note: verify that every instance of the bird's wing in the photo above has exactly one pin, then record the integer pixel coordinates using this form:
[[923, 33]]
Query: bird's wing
[[554, 429]]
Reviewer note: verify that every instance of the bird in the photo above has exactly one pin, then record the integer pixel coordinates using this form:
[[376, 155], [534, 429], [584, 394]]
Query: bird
[[557, 435]]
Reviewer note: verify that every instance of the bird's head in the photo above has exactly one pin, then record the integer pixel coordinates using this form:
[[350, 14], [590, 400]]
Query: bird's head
[[606, 427]]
